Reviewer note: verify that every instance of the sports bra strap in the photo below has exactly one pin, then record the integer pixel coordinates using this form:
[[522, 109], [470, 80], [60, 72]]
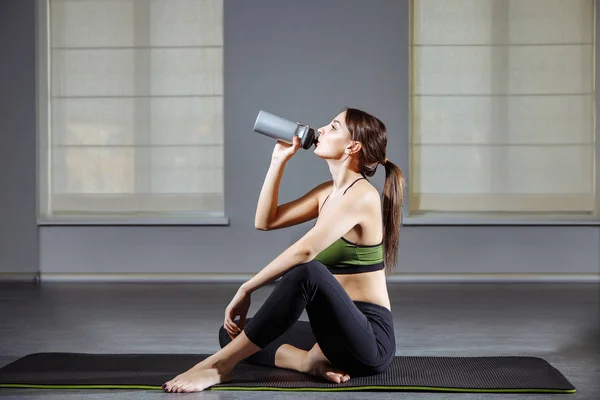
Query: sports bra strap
[[342, 193], [324, 203], [351, 185]]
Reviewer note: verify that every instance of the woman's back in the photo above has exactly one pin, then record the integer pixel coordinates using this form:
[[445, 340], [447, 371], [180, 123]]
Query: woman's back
[[362, 286]]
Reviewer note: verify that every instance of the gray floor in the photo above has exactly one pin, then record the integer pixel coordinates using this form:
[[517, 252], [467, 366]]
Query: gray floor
[[558, 322]]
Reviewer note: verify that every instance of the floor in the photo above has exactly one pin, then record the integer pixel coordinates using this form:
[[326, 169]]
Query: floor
[[558, 322]]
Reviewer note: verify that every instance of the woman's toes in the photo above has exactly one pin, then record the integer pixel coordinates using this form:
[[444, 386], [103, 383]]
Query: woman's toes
[[338, 377], [334, 377]]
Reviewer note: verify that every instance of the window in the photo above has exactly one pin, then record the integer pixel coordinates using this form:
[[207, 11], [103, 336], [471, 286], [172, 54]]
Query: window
[[132, 108], [502, 107]]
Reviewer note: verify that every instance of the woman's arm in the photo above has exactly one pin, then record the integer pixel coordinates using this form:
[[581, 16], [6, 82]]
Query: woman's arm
[[292, 256], [269, 195], [351, 211]]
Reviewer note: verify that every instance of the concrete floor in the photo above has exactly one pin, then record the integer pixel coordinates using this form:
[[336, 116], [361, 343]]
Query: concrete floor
[[558, 322]]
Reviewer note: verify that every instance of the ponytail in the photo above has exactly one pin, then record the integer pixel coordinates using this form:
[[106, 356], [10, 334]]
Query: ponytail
[[393, 202]]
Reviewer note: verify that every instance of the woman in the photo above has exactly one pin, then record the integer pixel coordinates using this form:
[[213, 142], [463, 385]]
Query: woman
[[336, 271]]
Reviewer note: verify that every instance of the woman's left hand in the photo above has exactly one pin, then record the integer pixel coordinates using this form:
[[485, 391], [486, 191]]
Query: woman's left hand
[[238, 306]]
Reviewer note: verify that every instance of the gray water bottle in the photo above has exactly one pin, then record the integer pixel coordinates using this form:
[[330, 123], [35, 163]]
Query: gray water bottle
[[285, 130]]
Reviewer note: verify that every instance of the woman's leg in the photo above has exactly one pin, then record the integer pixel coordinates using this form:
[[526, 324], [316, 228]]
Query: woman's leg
[[299, 336], [344, 333]]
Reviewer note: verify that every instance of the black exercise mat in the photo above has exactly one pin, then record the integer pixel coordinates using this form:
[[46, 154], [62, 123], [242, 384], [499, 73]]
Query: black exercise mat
[[503, 374]]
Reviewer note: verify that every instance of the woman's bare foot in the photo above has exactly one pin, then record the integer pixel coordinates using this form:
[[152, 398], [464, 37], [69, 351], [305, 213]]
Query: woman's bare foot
[[197, 379], [318, 365], [216, 368]]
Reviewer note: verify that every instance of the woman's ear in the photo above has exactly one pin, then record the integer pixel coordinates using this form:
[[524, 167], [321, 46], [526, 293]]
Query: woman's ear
[[354, 147]]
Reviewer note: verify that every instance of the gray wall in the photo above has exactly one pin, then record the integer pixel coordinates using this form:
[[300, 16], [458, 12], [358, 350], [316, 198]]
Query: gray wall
[[18, 229], [303, 60]]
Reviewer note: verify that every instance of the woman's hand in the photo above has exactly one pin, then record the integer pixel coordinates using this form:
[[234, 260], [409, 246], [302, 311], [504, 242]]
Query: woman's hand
[[238, 306], [284, 151]]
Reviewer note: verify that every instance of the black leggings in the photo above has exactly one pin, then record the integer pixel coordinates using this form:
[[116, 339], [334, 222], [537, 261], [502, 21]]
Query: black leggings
[[356, 336]]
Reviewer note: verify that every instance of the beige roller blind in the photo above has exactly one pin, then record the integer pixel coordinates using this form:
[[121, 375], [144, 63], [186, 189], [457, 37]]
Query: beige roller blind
[[502, 106], [135, 107]]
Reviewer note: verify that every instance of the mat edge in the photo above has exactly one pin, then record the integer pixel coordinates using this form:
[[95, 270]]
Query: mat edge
[[300, 389]]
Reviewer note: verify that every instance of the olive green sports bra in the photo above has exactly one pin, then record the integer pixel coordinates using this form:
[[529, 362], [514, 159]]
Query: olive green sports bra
[[345, 257]]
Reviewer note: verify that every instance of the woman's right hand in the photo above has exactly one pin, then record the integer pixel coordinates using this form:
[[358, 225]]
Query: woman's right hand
[[284, 151], [238, 306]]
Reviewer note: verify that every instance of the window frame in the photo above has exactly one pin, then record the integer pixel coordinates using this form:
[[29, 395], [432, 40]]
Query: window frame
[[43, 139]]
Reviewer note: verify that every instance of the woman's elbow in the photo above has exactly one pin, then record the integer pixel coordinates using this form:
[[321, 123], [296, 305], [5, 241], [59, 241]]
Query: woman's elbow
[[261, 227]]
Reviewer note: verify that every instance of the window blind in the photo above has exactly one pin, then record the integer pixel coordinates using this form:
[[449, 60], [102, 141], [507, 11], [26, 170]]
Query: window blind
[[135, 107], [502, 106]]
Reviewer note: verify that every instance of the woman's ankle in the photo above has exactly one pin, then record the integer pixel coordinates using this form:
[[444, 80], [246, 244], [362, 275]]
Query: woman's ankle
[[225, 368], [290, 357], [314, 360]]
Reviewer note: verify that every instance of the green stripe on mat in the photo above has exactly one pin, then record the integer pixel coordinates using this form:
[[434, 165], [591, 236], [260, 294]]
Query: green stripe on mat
[[258, 388], [497, 374]]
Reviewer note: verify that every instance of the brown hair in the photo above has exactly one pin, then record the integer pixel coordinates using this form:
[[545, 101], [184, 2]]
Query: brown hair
[[372, 134]]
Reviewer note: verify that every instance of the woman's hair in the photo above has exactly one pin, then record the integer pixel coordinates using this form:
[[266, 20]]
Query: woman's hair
[[372, 134]]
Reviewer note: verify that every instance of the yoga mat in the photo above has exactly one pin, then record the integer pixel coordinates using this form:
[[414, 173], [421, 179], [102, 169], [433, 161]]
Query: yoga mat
[[502, 374]]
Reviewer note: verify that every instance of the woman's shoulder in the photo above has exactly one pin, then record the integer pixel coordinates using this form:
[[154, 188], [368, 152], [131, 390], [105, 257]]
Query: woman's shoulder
[[360, 190], [365, 188]]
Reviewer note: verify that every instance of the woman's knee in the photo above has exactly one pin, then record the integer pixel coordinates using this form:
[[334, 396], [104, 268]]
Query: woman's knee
[[307, 270], [224, 338]]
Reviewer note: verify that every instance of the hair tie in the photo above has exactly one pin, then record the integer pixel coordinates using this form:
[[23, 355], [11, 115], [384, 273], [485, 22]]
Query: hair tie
[[385, 161]]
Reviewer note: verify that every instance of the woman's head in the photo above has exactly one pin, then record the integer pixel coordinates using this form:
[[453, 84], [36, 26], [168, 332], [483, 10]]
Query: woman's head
[[361, 138], [356, 136]]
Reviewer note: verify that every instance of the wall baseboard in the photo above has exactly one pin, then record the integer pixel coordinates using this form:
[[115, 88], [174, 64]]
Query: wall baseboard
[[38, 278], [20, 277]]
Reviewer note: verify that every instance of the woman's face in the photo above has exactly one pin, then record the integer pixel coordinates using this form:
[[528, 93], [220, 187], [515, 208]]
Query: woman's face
[[334, 138]]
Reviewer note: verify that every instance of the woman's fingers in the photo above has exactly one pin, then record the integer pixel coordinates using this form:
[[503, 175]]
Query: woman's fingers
[[234, 330], [231, 327], [241, 323], [232, 334]]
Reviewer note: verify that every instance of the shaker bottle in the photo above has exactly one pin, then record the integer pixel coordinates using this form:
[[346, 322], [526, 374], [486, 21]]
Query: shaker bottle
[[282, 129]]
